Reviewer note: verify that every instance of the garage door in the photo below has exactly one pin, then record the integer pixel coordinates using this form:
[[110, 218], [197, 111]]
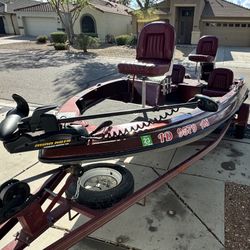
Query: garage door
[[35, 26], [229, 34]]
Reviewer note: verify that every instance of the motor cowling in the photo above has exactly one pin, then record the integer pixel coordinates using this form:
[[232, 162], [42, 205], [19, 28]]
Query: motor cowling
[[10, 124]]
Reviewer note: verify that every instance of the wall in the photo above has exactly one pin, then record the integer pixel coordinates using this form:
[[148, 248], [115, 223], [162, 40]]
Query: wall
[[106, 23], [10, 24]]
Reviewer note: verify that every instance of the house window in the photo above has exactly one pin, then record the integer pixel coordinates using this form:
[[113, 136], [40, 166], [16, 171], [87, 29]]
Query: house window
[[207, 24], [243, 25], [88, 24], [224, 24], [237, 25], [218, 24], [231, 25], [248, 25]]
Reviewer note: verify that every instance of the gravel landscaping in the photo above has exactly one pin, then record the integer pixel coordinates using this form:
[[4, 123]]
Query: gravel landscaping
[[237, 217]]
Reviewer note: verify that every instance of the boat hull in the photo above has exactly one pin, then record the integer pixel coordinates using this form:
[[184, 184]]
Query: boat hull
[[171, 133]]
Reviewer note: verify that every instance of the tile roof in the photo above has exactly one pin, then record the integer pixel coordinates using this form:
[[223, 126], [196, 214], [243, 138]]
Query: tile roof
[[41, 7], [15, 4], [222, 8], [102, 5], [110, 6]]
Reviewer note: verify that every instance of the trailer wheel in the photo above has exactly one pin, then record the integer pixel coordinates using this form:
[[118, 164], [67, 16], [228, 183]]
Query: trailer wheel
[[102, 185]]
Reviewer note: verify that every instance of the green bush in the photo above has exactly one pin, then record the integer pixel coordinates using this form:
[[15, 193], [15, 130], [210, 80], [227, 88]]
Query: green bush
[[132, 40], [58, 37], [42, 39], [91, 34], [122, 39], [60, 46], [85, 42]]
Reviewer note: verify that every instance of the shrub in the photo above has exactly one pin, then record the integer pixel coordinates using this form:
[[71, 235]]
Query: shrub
[[91, 34], [122, 39], [58, 37], [132, 40], [85, 42], [60, 46], [42, 39], [110, 38]]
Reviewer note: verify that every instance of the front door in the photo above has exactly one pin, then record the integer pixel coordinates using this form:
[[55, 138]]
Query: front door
[[2, 30], [185, 25]]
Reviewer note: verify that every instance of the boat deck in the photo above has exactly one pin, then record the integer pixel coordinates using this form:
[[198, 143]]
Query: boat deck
[[111, 105]]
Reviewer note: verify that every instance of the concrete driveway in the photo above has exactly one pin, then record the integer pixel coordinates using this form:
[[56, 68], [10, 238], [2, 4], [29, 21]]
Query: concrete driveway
[[15, 39]]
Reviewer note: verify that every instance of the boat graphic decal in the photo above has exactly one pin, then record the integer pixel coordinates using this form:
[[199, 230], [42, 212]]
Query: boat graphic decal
[[146, 140], [165, 136]]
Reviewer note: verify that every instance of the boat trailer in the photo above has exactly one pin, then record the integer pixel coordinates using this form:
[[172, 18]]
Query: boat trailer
[[31, 209]]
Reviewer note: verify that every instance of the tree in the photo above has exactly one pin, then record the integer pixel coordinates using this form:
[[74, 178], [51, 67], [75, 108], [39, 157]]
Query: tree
[[145, 4], [125, 2], [68, 11]]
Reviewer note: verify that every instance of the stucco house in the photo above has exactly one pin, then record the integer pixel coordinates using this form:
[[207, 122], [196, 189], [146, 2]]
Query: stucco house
[[195, 18], [100, 17], [8, 18]]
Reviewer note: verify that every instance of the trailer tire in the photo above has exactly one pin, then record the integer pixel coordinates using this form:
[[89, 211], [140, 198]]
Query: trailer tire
[[102, 185]]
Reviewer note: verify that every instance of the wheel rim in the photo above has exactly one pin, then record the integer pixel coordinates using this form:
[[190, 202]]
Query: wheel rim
[[100, 179]]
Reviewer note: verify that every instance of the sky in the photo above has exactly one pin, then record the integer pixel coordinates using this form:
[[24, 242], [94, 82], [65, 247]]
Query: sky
[[245, 3]]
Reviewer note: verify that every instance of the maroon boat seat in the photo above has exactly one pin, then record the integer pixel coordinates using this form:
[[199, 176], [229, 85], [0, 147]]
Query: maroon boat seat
[[206, 50], [154, 51], [178, 75], [219, 82]]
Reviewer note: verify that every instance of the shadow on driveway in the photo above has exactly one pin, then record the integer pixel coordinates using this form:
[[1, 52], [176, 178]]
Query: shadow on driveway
[[83, 76], [39, 59]]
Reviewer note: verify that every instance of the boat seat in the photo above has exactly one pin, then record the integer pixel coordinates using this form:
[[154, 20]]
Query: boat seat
[[148, 68], [177, 76], [205, 54], [219, 82], [206, 50], [154, 51], [154, 54]]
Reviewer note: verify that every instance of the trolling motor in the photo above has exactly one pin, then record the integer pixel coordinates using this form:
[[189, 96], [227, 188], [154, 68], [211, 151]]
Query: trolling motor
[[16, 129]]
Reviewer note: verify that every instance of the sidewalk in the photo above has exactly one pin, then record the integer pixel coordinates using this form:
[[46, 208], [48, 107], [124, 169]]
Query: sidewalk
[[186, 213]]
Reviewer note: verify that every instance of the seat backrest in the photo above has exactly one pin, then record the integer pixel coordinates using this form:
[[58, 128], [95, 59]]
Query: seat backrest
[[220, 79], [207, 45], [156, 41], [178, 73]]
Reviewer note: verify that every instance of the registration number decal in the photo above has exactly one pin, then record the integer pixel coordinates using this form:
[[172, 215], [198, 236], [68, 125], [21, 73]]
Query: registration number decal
[[204, 123], [187, 130], [165, 136]]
